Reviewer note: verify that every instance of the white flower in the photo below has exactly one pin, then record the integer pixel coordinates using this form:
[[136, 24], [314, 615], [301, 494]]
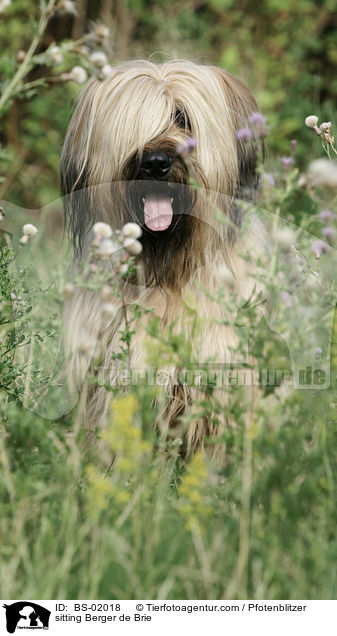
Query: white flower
[[106, 248], [285, 237], [325, 127], [66, 6], [29, 229], [99, 59], [132, 246], [84, 50], [78, 74], [132, 230], [109, 310], [102, 32], [102, 229], [105, 72], [322, 173], [20, 56], [24, 239], [4, 4], [311, 121], [225, 276], [56, 55], [123, 269]]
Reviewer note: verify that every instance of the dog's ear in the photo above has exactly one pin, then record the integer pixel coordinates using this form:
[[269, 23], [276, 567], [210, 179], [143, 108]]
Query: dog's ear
[[242, 105], [77, 199]]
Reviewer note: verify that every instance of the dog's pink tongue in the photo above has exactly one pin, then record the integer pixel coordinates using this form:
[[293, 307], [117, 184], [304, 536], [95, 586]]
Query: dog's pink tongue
[[158, 212]]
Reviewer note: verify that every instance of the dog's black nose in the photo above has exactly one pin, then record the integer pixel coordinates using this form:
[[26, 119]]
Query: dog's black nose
[[156, 164]]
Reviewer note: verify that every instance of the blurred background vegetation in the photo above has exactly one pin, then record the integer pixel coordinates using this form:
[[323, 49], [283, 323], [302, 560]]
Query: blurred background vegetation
[[285, 51]]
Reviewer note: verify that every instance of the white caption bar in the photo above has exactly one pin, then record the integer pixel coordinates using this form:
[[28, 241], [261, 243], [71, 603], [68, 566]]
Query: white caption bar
[[147, 617]]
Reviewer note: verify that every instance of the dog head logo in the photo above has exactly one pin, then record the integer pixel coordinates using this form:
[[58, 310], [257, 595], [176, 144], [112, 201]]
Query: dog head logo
[[26, 615]]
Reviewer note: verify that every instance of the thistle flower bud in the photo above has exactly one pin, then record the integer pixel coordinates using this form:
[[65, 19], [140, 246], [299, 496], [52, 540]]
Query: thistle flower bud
[[103, 230], [133, 246], [245, 134], [66, 7], [185, 149], [55, 55], [257, 119], [84, 50], [325, 127], [105, 72], [98, 59], [123, 269], [20, 56], [287, 162], [132, 230], [24, 239], [4, 4], [102, 33], [311, 121], [329, 233], [322, 173], [106, 248], [78, 74], [327, 215], [319, 248], [29, 229]]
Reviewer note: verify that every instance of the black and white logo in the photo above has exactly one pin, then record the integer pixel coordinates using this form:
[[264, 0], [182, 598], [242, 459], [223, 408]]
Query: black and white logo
[[26, 615]]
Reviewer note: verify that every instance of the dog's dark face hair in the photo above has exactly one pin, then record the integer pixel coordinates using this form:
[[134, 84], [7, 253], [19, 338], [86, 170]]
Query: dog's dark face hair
[[145, 179]]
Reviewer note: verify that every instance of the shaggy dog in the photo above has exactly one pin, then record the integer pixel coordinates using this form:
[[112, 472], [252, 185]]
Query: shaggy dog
[[120, 164]]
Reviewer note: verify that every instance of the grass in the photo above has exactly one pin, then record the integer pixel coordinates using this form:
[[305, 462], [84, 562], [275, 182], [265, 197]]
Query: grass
[[263, 526], [127, 517]]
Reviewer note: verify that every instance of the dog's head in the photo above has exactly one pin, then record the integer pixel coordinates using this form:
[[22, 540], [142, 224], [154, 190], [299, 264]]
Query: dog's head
[[121, 159]]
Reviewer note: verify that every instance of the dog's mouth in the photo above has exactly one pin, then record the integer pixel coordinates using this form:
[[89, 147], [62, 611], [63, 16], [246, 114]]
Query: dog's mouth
[[158, 205], [158, 212]]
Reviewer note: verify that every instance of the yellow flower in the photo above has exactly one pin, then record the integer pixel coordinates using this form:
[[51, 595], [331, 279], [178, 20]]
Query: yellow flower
[[193, 504], [99, 490], [124, 437]]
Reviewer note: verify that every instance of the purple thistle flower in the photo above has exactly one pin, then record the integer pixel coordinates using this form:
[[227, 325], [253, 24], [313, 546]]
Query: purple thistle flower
[[328, 232], [293, 144], [318, 352], [319, 247], [287, 162], [257, 119], [244, 133], [185, 149], [327, 215], [191, 142]]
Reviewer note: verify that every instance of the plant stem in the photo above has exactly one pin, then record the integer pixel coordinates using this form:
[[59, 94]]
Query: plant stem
[[24, 67]]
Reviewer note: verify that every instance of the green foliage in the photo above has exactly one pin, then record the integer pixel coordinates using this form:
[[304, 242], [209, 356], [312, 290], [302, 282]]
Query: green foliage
[[130, 517]]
